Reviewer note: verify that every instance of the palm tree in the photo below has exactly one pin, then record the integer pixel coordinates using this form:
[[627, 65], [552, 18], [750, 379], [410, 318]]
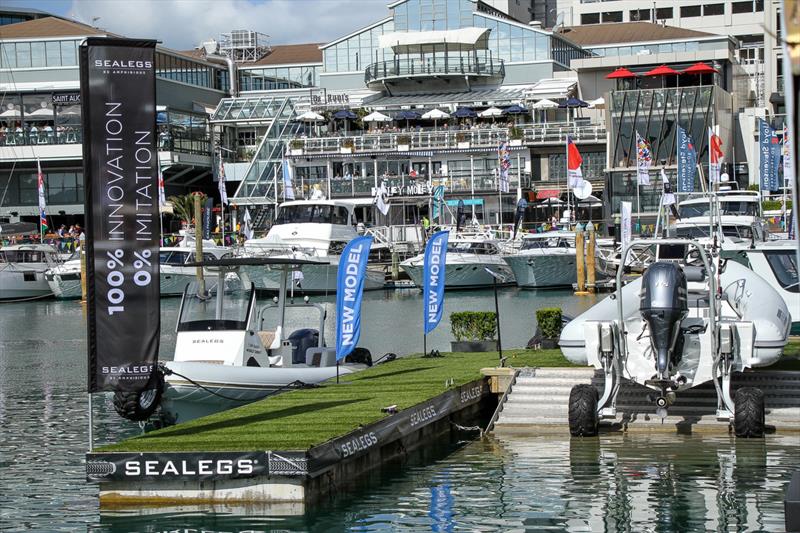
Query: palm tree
[[183, 206]]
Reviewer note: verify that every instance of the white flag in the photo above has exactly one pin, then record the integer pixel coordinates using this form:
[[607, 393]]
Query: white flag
[[382, 199], [669, 196], [248, 229], [288, 189]]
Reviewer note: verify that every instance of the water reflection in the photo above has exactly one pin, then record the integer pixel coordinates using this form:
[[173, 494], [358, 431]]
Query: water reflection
[[655, 482], [658, 482]]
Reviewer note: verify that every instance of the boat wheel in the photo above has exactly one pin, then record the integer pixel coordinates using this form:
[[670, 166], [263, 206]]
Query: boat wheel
[[583, 421], [748, 417], [139, 406]]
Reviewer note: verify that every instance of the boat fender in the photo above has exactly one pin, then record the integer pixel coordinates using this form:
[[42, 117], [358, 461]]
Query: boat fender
[[139, 406]]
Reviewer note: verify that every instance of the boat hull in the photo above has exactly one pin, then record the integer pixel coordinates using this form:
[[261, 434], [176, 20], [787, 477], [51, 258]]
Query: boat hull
[[538, 270], [22, 282], [225, 387], [464, 275], [316, 279]]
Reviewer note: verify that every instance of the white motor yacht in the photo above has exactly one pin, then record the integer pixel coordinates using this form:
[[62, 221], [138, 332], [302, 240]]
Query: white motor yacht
[[22, 270], [544, 260], [65, 279], [308, 230], [466, 262], [230, 352]]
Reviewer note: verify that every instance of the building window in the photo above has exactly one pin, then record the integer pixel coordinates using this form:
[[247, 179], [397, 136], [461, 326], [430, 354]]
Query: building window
[[690, 11], [663, 13], [742, 7], [612, 16], [713, 9], [640, 15], [590, 18]]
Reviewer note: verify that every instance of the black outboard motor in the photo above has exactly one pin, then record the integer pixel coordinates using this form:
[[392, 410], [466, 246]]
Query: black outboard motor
[[302, 340], [663, 306]]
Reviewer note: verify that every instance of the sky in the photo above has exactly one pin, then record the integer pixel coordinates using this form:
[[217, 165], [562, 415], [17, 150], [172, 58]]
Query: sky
[[184, 24]]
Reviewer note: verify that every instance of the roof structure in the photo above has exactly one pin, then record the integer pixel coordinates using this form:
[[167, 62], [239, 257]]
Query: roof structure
[[627, 32], [48, 27], [289, 54]]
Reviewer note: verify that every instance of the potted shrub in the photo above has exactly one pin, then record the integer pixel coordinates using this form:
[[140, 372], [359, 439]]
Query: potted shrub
[[462, 139], [296, 146], [403, 143], [475, 331], [347, 146], [549, 326], [515, 136]]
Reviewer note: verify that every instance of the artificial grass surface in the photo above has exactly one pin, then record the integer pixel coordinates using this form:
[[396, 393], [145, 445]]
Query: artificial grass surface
[[298, 420]]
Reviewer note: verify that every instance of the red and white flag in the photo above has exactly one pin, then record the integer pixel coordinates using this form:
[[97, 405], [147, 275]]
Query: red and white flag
[[42, 202], [715, 156], [574, 160], [162, 199]]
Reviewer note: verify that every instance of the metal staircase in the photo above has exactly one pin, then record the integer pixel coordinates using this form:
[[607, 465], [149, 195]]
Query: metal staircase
[[263, 182], [540, 399]]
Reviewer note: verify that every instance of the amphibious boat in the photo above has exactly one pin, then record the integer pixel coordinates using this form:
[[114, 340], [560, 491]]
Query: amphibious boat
[[682, 323], [230, 352]]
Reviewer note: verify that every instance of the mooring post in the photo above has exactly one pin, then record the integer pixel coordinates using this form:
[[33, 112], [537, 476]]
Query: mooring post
[[579, 257], [591, 276], [198, 243], [82, 253]]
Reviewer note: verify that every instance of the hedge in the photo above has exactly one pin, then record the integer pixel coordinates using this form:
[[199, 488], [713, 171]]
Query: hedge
[[549, 320], [474, 325]]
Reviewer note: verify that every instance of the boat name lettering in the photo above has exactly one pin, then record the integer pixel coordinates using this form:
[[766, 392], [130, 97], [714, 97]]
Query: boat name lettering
[[471, 393], [360, 443], [422, 415], [203, 467], [136, 369], [207, 341]]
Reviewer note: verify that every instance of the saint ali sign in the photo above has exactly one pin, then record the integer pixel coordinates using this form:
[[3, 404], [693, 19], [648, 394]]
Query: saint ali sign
[[122, 218]]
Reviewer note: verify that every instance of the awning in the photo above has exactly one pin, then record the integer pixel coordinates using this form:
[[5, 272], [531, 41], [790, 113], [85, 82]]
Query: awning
[[551, 88], [412, 42], [541, 194]]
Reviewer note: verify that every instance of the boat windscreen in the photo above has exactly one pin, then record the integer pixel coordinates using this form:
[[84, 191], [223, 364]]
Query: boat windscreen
[[726, 207], [784, 265], [320, 214], [551, 242], [201, 313]]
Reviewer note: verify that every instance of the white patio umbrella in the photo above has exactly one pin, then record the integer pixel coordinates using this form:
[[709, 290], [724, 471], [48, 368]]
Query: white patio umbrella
[[311, 116], [376, 116], [544, 105], [491, 112], [599, 103], [435, 115]]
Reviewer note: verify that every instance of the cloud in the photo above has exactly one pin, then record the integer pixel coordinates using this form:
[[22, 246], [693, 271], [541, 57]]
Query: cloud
[[184, 24]]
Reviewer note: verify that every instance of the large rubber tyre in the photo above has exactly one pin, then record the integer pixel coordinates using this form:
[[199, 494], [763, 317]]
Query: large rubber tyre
[[139, 406], [748, 418], [583, 420]]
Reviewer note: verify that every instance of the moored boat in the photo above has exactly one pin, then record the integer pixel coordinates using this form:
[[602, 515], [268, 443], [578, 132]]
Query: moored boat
[[22, 270]]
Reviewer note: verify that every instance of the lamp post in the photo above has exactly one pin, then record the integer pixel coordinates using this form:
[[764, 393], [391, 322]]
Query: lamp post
[[495, 277]]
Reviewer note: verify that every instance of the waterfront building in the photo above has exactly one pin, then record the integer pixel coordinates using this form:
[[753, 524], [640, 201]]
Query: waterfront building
[[755, 24], [40, 118]]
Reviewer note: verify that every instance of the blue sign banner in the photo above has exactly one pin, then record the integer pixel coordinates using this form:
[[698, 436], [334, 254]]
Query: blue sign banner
[[438, 196], [687, 162], [775, 160], [433, 280], [349, 290], [765, 165]]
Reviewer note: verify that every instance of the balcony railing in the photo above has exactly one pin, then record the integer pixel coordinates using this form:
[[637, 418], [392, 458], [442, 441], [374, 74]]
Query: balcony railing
[[483, 65], [485, 138], [175, 139], [41, 136]]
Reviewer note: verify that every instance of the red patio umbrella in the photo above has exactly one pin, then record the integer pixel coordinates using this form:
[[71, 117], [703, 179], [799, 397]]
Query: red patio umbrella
[[663, 70], [620, 74], [700, 68]]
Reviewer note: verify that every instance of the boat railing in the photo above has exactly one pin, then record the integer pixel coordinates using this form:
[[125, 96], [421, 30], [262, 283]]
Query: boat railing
[[278, 249]]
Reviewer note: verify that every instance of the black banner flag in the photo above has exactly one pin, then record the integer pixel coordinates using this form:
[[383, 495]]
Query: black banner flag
[[120, 169]]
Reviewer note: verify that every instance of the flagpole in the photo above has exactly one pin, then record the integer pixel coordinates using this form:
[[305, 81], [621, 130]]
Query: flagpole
[[566, 167]]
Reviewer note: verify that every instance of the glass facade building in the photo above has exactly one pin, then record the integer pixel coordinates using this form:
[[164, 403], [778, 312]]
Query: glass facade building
[[36, 54], [655, 115], [185, 70], [275, 78]]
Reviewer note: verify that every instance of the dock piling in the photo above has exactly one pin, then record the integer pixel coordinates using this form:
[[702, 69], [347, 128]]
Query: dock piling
[[591, 274], [579, 257]]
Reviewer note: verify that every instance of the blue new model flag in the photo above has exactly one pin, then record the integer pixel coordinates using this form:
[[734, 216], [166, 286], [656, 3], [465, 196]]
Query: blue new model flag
[[349, 290], [687, 162], [433, 276]]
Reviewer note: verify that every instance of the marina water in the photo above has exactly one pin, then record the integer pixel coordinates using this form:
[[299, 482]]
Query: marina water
[[637, 482]]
